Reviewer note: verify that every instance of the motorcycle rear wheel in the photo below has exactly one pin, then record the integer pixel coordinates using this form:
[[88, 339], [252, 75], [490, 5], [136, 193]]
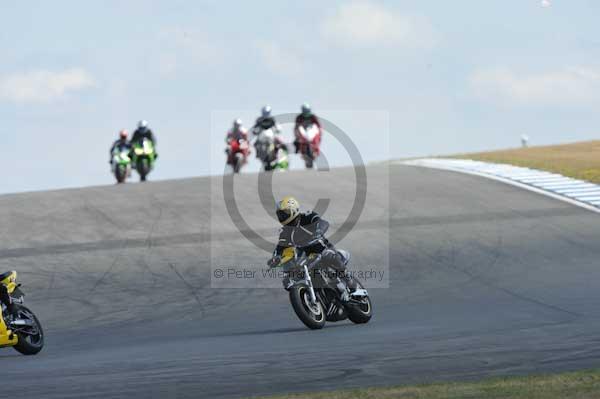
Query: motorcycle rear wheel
[[360, 313], [29, 344], [312, 315]]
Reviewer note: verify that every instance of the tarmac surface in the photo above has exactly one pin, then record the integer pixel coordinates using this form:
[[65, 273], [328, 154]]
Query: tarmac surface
[[483, 279]]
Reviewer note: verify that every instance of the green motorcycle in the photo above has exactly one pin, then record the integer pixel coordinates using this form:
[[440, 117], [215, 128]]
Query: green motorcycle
[[121, 164], [144, 157], [281, 160]]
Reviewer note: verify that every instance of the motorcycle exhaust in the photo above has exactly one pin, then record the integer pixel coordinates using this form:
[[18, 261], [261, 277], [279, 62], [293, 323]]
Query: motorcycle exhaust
[[22, 323]]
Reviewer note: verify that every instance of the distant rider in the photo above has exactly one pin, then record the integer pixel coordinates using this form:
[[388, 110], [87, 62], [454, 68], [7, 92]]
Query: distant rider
[[299, 230], [237, 132], [304, 119], [121, 144], [144, 132], [267, 121]]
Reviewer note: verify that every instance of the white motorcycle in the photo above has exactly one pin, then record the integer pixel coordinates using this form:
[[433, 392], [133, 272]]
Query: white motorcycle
[[269, 154]]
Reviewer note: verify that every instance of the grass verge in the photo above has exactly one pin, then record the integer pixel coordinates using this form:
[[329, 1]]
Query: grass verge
[[574, 385], [577, 160]]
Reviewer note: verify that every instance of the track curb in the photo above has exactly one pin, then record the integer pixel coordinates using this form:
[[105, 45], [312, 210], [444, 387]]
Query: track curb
[[573, 191]]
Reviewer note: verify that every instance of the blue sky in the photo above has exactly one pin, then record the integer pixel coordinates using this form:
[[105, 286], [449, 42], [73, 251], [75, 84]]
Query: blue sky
[[451, 76]]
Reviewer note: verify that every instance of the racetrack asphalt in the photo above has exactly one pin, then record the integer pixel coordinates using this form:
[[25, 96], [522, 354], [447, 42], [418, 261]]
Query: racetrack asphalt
[[485, 280]]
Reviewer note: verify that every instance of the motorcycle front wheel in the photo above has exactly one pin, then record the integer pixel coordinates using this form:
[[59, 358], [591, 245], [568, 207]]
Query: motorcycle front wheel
[[237, 163], [143, 168], [120, 173], [311, 314], [31, 335]]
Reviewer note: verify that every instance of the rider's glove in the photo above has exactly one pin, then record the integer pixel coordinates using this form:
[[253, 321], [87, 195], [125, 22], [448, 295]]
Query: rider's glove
[[274, 261]]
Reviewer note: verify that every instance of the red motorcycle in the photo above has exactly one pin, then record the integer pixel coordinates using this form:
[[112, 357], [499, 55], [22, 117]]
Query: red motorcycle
[[237, 154], [309, 140]]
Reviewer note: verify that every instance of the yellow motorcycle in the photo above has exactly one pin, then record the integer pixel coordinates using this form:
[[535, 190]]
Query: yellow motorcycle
[[19, 328]]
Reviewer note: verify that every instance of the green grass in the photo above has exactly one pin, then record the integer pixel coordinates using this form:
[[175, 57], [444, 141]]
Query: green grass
[[575, 385], [577, 160]]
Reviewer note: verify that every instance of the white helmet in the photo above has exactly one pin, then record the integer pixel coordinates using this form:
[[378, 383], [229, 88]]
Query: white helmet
[[143, 124], [237, 123], [266, 111], [306, 109]]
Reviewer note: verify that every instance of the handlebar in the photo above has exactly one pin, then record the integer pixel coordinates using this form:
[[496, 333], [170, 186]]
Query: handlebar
[[311, 263]]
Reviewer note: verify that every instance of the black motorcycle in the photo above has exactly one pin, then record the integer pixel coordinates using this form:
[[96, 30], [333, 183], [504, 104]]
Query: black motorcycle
[[318, 293]]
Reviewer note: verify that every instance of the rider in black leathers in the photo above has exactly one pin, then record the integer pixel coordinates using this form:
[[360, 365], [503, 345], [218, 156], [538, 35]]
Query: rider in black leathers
[[264, 123], [267, 121], [143, 131], [304, 231]]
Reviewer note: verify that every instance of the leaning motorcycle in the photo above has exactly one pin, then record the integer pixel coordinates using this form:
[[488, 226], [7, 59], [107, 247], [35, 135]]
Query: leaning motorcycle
[[271, 155], [121, 164], [237, 154], [20, 329], [144, 157], [316, 291], [309, 140]]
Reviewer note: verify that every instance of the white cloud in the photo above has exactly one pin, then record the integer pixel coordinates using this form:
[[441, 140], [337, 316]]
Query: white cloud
[[362, 23], [568, 86], [278, 59], [43, 86]]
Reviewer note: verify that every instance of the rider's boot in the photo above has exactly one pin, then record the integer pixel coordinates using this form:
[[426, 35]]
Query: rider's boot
[[346, 286], [350, 282], [287, 282], [343, 290]]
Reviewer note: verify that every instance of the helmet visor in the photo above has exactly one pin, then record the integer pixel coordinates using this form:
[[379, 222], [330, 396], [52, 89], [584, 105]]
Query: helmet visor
[[282, 216]]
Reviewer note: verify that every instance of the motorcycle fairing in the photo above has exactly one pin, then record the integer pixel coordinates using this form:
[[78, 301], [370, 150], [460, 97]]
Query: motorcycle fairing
[[7, 338], [10, 281], [310, 132], [144, 148]]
